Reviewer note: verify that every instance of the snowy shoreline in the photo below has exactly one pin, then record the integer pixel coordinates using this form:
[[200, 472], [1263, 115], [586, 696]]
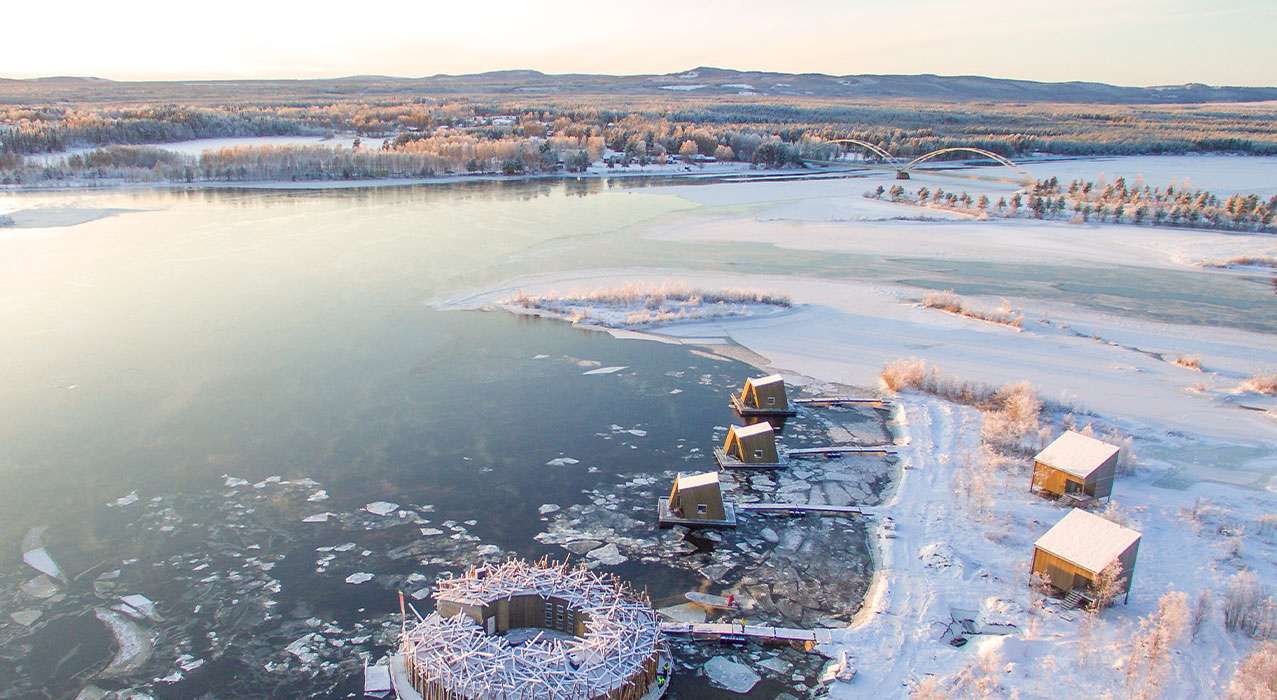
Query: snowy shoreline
[[891, 641], [673, 170]]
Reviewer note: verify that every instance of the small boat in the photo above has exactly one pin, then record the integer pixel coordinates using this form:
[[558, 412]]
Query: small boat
[[710, 600]]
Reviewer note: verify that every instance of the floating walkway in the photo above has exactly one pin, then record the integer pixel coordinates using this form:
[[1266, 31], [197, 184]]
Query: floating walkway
[[800, 509], [841, 400], [839, 450], [735, 632]]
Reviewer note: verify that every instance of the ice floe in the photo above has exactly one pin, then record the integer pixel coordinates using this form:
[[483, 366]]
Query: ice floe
[[605, 370], [381, 508], [729, 675], [40, 560], [126, 500]]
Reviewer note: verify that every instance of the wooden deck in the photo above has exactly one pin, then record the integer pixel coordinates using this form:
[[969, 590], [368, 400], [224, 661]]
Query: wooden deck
[[726, 461], [800, 509], [839, 450], [731, 631], [840, 400], [668, 519], [760, 412]]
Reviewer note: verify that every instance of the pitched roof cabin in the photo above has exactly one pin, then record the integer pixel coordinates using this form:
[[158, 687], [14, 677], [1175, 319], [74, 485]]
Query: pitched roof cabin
[[763, 396], [1072, 554], [696, 499], [1077, 466], [751, 446]]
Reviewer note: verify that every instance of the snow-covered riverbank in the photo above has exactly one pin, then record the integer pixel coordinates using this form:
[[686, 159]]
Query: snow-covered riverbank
[[1206, 448]]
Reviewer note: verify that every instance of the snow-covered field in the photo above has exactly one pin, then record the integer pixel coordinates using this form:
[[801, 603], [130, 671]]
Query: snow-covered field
[[1206, 449], [198, 146], [1223, 175]]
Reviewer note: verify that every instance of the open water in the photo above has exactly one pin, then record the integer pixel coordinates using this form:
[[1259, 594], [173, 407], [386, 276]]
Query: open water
[[186, 381]]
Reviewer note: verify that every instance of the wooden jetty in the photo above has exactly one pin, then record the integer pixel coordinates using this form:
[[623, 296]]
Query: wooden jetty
[[726, 462], [736, 632], [840, 450], [840, 400], [798, 509]]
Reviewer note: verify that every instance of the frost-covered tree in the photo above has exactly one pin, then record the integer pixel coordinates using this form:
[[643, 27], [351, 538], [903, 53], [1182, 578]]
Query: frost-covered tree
[[1108, 586], [1146, 668], [1256, 676]]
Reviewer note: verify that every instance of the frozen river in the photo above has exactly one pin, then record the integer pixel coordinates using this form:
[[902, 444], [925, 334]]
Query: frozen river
[[242, 405]]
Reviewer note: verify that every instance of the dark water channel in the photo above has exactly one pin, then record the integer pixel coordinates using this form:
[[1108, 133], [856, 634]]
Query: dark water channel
[[470, 436]]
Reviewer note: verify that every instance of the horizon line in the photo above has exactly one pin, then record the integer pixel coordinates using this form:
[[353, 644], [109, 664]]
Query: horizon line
[[674, 75]]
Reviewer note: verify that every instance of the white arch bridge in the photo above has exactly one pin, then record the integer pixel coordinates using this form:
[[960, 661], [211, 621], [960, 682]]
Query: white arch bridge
[[903, 169]]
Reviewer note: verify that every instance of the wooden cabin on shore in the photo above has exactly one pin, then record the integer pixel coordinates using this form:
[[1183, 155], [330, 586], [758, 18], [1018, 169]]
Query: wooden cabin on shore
[[763, 396], [696, 500], [750, 447], [1071, 555], [1075, 467]]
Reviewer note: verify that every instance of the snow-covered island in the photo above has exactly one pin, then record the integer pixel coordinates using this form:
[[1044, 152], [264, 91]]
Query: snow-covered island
[[636, 304]]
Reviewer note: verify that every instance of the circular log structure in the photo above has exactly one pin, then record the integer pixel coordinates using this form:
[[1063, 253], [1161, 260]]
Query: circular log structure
[[520, 630]]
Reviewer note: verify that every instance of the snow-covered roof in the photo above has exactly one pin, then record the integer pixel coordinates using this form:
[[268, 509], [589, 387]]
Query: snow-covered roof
[[765, 381], [752, 430], [1076, 454], [1087, 540], [689, 481]]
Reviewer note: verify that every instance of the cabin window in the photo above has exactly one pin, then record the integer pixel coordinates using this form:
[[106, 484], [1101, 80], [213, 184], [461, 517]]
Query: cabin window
[[758, 454], [771, 400], [702, 508]]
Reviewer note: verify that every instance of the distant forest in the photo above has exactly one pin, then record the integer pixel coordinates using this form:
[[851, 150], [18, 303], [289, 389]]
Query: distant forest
[[499, 134]]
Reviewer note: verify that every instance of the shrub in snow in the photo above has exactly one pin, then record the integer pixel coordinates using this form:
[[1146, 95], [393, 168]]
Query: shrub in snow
[[1262, 384], [1256, 677], [1249, 607]]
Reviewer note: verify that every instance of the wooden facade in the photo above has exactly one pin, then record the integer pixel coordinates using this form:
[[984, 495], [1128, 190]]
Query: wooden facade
[[521, 612], [697, 497], [755, 444], [1071, 555], [1076, 466], [763, 396]]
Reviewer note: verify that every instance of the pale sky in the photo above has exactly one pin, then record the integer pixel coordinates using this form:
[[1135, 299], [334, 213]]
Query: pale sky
[[1124, 42]]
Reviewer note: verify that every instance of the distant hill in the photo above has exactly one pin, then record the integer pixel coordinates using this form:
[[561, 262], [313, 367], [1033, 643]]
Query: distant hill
[[699, 82]]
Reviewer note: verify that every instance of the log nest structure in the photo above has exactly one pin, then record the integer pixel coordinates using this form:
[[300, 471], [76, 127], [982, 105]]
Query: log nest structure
[[521, 630]]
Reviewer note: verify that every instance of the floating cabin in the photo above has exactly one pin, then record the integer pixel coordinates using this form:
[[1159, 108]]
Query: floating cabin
[[749, 447], [763, 396], [696, 501], [1071, 555], [1075, 467], [523, 630]]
